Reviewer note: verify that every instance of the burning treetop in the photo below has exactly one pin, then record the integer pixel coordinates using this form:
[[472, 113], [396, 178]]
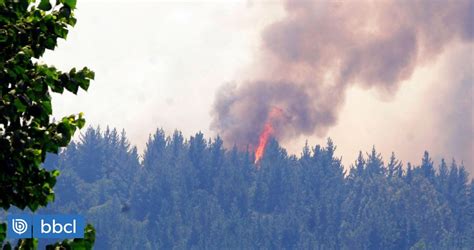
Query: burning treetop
[[267, 132]]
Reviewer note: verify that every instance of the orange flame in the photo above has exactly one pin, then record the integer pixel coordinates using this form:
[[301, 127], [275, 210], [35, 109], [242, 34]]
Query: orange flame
[[262, 141], [266, 133]]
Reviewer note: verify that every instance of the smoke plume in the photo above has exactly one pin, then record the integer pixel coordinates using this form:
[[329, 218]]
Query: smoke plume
[[319, 48]]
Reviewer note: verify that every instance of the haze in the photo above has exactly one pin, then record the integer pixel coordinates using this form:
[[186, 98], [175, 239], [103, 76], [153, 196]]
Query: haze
[[160, 64]]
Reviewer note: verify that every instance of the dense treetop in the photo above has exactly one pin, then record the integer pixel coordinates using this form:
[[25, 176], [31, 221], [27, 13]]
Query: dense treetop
[[193, 193]]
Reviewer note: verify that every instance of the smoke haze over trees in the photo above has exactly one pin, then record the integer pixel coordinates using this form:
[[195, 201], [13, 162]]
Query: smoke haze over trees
[[193, 193], [321, 48]]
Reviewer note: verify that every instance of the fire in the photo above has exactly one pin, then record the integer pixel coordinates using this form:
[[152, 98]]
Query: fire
[[262, 141], [267, 132]]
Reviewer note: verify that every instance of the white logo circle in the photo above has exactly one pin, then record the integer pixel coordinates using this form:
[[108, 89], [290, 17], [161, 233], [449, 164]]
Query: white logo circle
[[19, 226]]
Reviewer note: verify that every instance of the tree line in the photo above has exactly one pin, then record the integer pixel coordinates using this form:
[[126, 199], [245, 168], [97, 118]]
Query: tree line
[[194, 193]]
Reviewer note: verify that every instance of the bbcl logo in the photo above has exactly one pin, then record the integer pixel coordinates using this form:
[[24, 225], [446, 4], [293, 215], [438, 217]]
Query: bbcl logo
[[45, 226], [57, 228], [19, 226]]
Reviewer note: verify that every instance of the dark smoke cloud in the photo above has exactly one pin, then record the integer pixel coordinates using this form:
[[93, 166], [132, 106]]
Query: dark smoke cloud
[[245, 109], [320, 48]]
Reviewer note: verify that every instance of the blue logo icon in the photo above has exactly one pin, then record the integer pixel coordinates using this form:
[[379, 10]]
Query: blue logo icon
[[19, 226], [58, 226]]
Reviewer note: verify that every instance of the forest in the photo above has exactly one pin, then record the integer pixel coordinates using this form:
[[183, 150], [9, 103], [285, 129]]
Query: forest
[[193, 193]]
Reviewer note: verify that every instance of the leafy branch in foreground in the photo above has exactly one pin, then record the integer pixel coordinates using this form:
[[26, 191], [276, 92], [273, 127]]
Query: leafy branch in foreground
[[27, 29]]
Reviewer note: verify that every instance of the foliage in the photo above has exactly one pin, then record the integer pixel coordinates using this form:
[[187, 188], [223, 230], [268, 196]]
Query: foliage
[[27, 134], [196, 194]]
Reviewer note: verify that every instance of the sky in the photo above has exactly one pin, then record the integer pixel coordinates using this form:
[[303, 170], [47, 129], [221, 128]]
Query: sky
[[160, 64]]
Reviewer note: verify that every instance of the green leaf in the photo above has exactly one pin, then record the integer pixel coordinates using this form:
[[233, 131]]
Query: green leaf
[[60, 31], [70, 3], [72, 87], [81, 122], [50, 43], [44, 5], [72, 21], [47, 106], [65, 11], [3, 232], [3, 35], [55, 173], [50, 197], [20, 107]]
